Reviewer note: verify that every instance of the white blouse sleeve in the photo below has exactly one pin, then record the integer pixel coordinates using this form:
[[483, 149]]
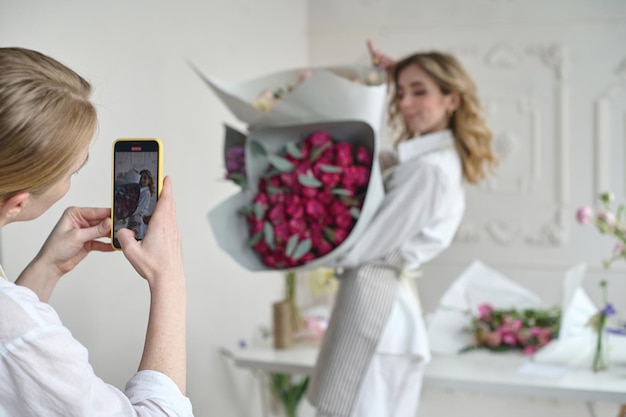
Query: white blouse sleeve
[[48, 374], [414, 196]]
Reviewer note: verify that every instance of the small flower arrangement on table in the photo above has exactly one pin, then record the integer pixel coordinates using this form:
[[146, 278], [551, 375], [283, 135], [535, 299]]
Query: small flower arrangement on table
[[510, 329], [608, 222]]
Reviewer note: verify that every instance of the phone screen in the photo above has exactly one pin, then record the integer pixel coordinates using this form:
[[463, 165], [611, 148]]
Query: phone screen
[[136, 185]]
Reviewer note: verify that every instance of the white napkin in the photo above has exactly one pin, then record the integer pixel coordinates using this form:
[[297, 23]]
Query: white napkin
[[575, 345], [449, 324]]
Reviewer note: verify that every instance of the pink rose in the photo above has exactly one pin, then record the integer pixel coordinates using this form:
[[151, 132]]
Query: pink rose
[[363, 156], [584, 214], [314, 208], [294, 210], [297, 226], [281, 232], [340, 236], [308, 192], [276, 213], [484, 311], [318, 139], [619, 248], [344, 154], [344, 220], [330, 179]]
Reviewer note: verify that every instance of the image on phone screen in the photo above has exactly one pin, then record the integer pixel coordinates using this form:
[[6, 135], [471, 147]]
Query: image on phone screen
[[135, 185]]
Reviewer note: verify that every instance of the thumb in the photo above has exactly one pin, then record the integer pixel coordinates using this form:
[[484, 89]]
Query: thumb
[[102, 229], [126, 237]]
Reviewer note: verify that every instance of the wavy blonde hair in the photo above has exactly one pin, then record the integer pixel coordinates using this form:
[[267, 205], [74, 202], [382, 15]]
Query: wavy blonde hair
[[472, 137], [46, 121]]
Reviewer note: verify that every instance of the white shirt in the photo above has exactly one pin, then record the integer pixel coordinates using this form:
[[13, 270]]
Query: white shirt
[[423, 205], [44, 371]]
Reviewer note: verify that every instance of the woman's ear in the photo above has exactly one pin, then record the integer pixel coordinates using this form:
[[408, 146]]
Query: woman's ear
[[455, 100], [12, 207]]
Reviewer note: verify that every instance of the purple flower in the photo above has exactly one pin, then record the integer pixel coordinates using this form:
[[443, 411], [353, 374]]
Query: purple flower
[[608, 310]]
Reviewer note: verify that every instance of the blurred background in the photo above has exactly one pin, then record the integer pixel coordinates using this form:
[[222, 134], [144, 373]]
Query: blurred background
[[552, 77]]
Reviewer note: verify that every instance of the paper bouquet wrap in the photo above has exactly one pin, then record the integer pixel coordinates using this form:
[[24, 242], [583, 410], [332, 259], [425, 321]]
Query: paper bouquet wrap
[[327, 94], [232, 229]]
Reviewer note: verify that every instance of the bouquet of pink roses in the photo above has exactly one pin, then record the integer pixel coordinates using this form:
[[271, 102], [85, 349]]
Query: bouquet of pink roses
[[310, 191], [308, 200], [526, 330]]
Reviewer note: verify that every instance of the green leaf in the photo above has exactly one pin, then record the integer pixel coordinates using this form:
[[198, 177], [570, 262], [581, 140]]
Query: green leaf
[[355, 212], [269, 234], [280, 163], [293, 150], [271, 190], [245, 210], [317, 152], [291, 245], [239, 179], [259, 211], [257, 148], [341, 191], [255, 238], [309, 181], [329, 234], [302, 249], [330, 168]]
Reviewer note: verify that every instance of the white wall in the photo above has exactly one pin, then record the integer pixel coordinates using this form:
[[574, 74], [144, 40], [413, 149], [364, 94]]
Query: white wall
[[134, 54], [551, 75], [542, 66]]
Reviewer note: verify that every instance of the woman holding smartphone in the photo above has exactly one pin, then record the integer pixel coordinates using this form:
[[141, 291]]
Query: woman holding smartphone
[[372, 360], [47, 122]]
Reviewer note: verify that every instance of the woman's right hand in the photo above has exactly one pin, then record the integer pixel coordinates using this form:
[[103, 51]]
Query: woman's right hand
[[159, 254], [379, 59]]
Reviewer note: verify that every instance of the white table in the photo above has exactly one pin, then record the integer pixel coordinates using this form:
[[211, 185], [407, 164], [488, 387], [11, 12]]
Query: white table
[[473, 371]]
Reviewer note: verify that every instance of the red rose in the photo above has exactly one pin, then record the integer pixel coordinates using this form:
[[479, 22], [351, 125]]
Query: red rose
[[314, 208], [344, 220], [294, 210], [344, 154], [308, 192], [297, 226], [318, 139], [330, 179], [276, 213], [340, 236], [363, 156], [281, 232]]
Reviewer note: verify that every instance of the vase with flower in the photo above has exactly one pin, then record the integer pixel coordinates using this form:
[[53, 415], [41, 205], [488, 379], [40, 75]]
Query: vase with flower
[[610, 222]]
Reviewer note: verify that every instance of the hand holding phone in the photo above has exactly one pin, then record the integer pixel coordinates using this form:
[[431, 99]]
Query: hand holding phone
[[136, 185]]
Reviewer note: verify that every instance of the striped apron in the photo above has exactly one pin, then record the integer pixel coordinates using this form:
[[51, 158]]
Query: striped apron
[[362, 307]]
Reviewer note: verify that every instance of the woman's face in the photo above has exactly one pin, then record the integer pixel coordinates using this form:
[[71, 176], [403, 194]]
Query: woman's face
[[420, 101], [144, 181]]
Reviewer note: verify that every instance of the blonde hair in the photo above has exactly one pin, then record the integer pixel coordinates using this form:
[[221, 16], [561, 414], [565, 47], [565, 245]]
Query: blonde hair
[[148, 175], [472, 137], [46, 121]]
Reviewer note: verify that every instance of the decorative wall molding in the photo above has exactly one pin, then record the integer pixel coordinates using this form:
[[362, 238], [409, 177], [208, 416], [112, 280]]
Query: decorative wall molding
[[555, 57], [507, 143], [604, 110]]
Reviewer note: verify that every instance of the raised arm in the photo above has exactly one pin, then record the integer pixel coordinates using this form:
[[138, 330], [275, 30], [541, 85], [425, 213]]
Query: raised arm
[[158, 258]]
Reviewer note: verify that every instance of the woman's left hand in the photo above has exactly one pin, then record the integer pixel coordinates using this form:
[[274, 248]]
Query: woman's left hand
[[73, 237]]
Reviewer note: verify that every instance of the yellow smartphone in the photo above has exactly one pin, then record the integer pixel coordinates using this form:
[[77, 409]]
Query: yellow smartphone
[[136, 184]]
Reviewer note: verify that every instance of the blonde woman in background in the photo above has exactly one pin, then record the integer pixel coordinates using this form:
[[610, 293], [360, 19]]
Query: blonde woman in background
[[141, 216], [47, 122], [372, 360]]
